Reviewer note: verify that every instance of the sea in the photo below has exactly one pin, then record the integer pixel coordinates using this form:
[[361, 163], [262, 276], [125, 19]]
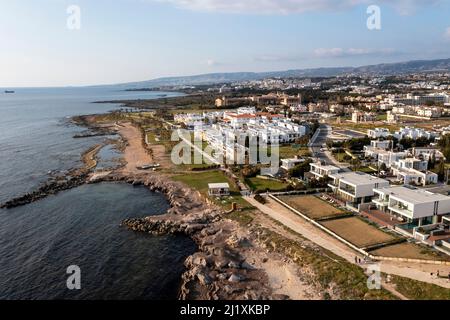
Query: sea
[[40, 243]]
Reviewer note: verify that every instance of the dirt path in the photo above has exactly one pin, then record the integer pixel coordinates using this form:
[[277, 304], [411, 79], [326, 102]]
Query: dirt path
[[135, 155], [420, 272]]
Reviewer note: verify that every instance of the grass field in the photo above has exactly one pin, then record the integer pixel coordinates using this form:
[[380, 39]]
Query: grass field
[[358, 232], [416, 290], [258, 184], [312, 206], [410, 251], [200, 180]]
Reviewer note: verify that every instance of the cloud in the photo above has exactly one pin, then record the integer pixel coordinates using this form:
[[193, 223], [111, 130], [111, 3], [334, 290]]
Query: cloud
[[213, 63], [447, 33], [291, 6], [341, 52]]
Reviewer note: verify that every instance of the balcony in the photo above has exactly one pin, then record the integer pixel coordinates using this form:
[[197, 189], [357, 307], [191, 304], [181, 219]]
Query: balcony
[[382, 202], [347, 189], [401, 209]]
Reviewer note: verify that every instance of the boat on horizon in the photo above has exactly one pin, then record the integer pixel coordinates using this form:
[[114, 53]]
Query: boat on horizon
[[10, 91]]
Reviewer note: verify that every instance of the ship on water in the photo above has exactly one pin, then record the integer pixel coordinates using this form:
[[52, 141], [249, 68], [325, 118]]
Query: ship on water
[[9, 91]]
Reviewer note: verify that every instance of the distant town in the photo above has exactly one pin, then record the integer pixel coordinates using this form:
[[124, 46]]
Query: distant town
[[375, 147]]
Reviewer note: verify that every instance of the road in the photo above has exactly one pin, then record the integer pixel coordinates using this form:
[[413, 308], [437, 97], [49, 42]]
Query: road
[[317, 144], [416, 271]]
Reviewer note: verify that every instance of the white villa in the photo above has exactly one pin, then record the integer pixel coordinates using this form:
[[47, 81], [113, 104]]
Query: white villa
[[356, 187], [320, 171], [413, 205], [288, 164], [414, 171]]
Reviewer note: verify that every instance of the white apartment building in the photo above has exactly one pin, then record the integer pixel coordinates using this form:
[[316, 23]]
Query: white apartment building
[[416, 177], [413, 205], [246, 110], [378, 133], [376, 147], [413, 133], [414, 171], [299, 108], [390, 158], [356, 187], [189, 119], [427, 153], [319, 170], [412, 163]]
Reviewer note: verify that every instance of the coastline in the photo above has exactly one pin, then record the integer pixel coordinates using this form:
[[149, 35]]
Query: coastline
[[235, 259], [217, 270]]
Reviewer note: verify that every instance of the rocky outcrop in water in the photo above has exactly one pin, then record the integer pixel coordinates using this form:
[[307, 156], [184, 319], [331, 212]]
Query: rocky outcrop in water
[[50, 188], [217, 270]]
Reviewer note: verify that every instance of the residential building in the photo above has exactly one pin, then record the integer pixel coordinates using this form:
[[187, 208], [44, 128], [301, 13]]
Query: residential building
[[377, 133], [218, 189], [416, 206], [390, 158], [426, 153], [356, 187], [415, 177], [359, 116], [413, 133], [319, 170], [288, 164]]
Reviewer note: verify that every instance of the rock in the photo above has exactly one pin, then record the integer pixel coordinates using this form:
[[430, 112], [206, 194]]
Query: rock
[[247, 266], [221, 262], [235, 278], [221, 276], [203, 279], [234, 265]]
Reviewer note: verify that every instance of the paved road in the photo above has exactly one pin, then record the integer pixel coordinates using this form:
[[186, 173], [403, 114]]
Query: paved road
[[420, 272], [317, 143]]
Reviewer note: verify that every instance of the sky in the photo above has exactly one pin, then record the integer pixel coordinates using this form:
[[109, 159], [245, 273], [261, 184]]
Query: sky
[[49, 43]]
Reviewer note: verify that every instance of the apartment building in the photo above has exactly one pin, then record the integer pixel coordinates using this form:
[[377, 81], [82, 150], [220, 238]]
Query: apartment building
[[377, 133], [426, 153], [413, 133]]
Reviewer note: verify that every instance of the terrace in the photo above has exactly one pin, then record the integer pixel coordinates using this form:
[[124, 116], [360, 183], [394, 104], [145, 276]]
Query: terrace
[[401, 208]]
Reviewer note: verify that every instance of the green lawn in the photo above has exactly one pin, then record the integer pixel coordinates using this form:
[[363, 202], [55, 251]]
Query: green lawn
[[290, 151], [258, 184], [340, 156], [200, 180]]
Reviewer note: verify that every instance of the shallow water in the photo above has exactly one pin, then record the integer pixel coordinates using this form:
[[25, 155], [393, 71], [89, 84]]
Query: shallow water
[[81, 227]]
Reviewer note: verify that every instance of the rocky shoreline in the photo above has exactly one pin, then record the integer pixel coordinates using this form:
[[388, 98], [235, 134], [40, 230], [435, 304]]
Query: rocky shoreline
[[217, 270], [58, 184]]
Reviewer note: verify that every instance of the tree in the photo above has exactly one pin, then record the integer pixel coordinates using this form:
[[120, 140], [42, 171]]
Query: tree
[[432, 162], [441, 171], [300, 169]]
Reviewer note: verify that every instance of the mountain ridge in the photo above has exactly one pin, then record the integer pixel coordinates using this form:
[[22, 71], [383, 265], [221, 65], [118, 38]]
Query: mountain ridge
[[374, 69]]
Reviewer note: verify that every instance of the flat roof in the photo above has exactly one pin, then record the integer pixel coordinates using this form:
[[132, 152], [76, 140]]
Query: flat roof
[[218, 185], [358, 178], [413, 195], [325, 167]]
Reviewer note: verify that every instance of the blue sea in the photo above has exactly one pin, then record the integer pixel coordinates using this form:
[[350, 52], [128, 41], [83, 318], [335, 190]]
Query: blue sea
[[79, 226]]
